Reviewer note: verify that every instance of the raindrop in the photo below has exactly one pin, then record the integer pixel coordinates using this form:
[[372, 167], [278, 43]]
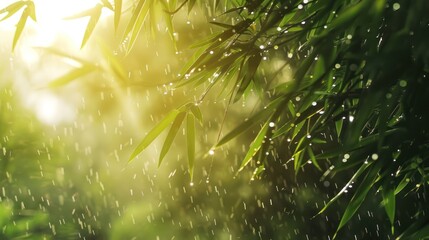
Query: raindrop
[[388, 95], [374, 156], [211, 152], [396, 6], [351, 118], [346, 156], [271, 124], [337, 66], [403, 83]]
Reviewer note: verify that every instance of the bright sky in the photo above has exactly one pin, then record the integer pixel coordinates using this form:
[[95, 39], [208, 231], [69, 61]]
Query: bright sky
[[49, 29]]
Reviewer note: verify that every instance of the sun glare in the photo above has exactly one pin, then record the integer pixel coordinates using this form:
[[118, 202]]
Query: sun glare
[[51, 23]]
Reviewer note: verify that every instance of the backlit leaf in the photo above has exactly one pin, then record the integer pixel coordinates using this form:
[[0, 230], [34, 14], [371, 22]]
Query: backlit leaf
[[95, 16], [171, 135], [389, 202], [255, 146], [360, 194], [72, 75], [118, 12], [20, 27], [247, 124], [137, 20], [154, 133], [197, 113], [190, 136], [12, 9]]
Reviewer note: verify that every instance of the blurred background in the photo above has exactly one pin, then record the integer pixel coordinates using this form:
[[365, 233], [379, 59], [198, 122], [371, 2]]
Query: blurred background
[[64, 170]]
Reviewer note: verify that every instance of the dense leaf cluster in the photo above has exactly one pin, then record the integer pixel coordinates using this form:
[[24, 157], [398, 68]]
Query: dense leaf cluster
[[356, 101]]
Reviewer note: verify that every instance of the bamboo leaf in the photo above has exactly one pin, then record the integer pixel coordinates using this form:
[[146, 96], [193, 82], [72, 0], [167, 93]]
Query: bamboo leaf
[[359, 172], [113, 62], [389, 203], [117, 13], [190, 135], [313, 158], [252, 65], [20, 27], [349, 14], [417, 230], [255, 146], [31, 10], [137, 20], [339, 127], [191, 4], [223, 25], [171, 135], [12, 9], [65, 55], [107, 4], [72, 75], [402, 184], [95, 16], [197, 113], [247, 124], [360, 195], [154, 133]]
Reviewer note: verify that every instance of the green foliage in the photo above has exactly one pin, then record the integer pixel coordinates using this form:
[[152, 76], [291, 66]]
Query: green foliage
[[355, 104], [29, 11], [24, 226]]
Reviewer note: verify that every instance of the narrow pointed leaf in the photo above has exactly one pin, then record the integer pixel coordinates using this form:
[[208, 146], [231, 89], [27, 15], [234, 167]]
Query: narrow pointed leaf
[[416, 228], [250, 70], [255, 146], [118, 12], [191, 4], [85, 13], [72, 75], [190, 135], [113, 61], [402, 184], [171, 135], [154, 133], [20, 27], [12, 9], [247, 124], [359, 195], [339, 127], [134, 17], [32, 10], [313, 158], [95, 16], [137, 21], [107, 4], [389, 203], [197, 113], [362, 169]]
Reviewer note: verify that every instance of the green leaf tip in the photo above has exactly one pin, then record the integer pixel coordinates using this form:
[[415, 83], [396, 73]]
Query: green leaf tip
[[154, 133]]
